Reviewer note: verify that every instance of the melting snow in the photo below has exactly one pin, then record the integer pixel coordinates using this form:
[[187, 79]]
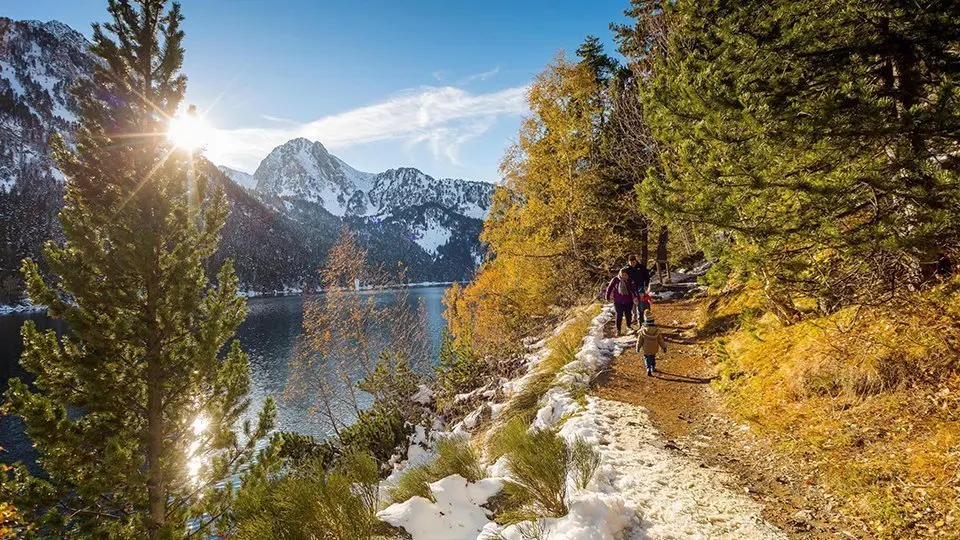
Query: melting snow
[[641, 490], [456, 514]]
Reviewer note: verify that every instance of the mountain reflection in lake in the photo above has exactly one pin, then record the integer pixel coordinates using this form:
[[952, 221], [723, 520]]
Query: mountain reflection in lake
[[269, 335]]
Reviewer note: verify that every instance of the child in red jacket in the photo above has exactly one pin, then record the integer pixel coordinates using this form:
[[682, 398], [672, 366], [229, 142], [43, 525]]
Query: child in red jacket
[[645, 303]]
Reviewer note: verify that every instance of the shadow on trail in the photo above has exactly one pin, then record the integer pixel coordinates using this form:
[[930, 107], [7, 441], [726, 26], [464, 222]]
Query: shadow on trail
[[674, 338], [675, 377]]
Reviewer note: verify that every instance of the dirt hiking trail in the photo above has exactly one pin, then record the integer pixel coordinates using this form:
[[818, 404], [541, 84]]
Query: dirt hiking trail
[[690, 418]]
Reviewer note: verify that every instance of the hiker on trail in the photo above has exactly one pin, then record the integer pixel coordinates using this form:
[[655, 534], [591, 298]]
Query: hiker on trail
[[650, 341], [623, 291], [644, 304], [641, 277]]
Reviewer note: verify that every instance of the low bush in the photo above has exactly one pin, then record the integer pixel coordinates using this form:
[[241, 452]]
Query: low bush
[[584, 461], [454, 456], [378, 432], [458, 371], [299, 503], [538, 461], [413, 482]]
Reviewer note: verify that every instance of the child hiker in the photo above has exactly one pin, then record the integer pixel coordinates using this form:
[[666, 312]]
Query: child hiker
[[622, 290], [650, 341], [644, 304]]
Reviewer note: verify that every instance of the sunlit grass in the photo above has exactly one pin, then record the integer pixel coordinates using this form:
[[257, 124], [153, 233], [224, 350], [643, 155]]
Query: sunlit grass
[[455, 455], [563, 348], [866, 396]]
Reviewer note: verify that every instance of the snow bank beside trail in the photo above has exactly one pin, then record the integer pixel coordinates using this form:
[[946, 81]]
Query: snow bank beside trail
[[456, 514], [641, 490], [674, 495]]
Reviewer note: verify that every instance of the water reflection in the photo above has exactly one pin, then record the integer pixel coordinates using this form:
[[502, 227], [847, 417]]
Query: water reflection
[[269, 336]]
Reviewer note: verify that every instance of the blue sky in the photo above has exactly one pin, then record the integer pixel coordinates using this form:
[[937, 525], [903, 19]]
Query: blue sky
[[438, 85]]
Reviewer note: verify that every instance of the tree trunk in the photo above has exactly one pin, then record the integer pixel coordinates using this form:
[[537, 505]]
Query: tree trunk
[[644, 241], [156, 501], [663, 270]]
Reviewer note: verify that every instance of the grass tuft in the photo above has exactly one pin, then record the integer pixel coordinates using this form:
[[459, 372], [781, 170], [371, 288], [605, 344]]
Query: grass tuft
[[584, 461], [454, 456], [538, 461]]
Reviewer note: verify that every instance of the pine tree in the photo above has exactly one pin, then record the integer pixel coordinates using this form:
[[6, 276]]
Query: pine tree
[[820, 135], [134, 411]]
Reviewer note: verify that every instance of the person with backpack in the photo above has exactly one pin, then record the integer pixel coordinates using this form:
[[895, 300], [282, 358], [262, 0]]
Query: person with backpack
[[623, 291], [649, 341], [641, 277]]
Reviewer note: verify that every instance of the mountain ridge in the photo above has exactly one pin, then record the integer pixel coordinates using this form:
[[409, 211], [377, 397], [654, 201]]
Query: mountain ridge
[[284, 216], [301, 174]]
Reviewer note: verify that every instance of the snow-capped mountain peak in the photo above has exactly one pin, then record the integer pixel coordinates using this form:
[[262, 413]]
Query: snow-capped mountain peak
[[302, 169], [431, 211]]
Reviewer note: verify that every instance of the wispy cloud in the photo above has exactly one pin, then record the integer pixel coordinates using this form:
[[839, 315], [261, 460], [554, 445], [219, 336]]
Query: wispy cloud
[[278, 119], [482, 76], [444, 118]]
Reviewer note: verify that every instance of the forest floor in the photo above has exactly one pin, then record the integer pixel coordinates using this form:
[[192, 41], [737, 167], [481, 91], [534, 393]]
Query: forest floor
[[690, 416]]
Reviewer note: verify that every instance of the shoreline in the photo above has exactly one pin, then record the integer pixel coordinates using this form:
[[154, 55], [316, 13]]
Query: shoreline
[[18, 309]]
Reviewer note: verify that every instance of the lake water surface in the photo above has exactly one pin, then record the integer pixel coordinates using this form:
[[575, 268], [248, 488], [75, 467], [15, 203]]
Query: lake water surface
[[268, 335]]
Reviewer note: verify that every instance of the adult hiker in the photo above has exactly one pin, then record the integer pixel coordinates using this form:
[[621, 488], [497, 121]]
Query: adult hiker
[[641, 277], [623, 291], [650, 341]]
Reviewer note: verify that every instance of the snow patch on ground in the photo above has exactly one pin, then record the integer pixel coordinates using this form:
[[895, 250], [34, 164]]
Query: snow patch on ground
[[673, 494], [456, 514], [641, 489]]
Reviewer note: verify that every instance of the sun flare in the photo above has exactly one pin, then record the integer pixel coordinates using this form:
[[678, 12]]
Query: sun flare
[[189, 132]]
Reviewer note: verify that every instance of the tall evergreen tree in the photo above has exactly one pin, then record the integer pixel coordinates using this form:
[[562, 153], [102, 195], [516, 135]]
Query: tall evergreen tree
[[821, 135], [134, 411]]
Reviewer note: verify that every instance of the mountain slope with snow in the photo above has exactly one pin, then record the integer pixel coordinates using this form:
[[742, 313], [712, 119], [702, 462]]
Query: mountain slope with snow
[[441, 216], [244, 180], [285, 215]]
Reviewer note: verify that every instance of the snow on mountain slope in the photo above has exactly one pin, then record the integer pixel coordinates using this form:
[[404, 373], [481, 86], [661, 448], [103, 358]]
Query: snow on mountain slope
[[302, 169], [38, 63], [431, 210], [241, 178], [409, 187]]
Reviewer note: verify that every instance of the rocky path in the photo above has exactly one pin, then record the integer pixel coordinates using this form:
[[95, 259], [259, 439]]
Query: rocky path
[[687, 418]]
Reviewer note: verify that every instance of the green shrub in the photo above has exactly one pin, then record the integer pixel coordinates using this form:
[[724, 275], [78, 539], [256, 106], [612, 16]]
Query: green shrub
[[302, 449], [584, 461], [538, 460], [298, 503], [378, 432], [412, 482], [454, 456], [459, 370]]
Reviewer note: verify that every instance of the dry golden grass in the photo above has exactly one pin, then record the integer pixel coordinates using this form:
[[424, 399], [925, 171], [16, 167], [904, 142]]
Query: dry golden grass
[[870, 397], [563, 347]]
